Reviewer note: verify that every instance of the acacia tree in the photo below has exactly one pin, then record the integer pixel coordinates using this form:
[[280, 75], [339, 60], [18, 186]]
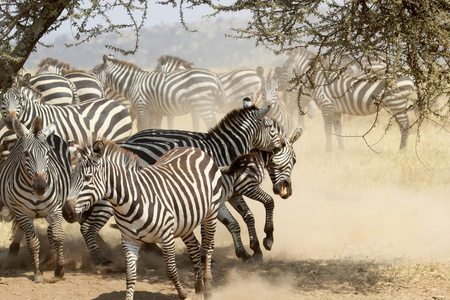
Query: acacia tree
[[411, 37], [24, 23]]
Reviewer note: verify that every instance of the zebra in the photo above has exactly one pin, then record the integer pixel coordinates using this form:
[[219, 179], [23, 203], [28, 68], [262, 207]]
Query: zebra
[[86, 85], [7, 140], [54, 89], [279, 165], [154, 204], [155, 94], [290, 93], [354, 94], [35, 181], [101, 117], [170, 63], [268, 94], [237, 133]]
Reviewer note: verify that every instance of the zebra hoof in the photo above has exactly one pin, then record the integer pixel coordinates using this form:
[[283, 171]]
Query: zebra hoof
[[258, 258], [59, 272], [268, 243], [214, 266], [39, 278], [106, 266]]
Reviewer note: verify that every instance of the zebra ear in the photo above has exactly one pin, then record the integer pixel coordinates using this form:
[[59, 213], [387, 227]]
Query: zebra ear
[[99, 149], [296, 134], [105, 58], [277, 73], [74, 149], [260, 73], [262, 112], [25, 80], [19, 128]]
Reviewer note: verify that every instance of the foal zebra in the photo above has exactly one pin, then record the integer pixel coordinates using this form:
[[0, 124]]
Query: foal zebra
[[102, 117], [153, 205], [155, 94], [354, 94], [35, 181]]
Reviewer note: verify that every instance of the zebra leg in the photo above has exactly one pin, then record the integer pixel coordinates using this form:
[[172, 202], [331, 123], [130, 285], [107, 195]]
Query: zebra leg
[[327, 115], [90, 228], [168, 247], [206, 112], [242, 208], [193, 247], [227, 219], [130, 250], [337, 123], [26, 225], [209, 230], [403, 123], [57, 241], [17, 238], [255, 192]]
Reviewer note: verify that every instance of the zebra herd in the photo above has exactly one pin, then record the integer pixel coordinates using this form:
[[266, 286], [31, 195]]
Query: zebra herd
[[158, 183]]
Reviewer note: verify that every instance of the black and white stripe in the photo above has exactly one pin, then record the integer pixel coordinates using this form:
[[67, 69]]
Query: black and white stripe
[[268, 95], [55, 89], [353, 94], [87, 86], [35, 182], [170, 63], [81, 123], [153, 205], [237, 133], [156, 94]]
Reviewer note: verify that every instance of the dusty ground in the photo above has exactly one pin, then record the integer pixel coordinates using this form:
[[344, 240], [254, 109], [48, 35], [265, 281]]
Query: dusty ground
[[360, 225]]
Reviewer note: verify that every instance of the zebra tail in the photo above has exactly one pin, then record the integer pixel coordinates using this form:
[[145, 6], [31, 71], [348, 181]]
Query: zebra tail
[[247, 163]]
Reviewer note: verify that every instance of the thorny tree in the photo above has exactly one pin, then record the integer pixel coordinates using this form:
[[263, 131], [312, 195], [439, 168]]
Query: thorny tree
[[411, 37]]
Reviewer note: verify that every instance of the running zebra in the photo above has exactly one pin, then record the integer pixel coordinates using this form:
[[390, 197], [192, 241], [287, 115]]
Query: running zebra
[[279, 165], [35, 182], [102, 117], [155, 94], [268, 95], [153, 205], [86, 85], [356, 94], [236, 134]]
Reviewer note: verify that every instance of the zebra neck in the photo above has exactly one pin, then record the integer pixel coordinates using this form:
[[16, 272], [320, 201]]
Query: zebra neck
[[122, 187]]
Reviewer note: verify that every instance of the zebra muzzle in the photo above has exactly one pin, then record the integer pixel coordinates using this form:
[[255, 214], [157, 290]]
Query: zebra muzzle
[[40, 184], [284, 189], [69, 213]]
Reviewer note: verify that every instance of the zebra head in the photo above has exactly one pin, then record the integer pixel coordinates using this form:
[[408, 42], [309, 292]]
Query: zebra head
[[280, 165], [86, 186], [267, 137], [269, 85], [35, 153], [169, 63], [12, 102]]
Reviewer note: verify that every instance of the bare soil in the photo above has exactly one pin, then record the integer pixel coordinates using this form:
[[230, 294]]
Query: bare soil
[[359, 225]]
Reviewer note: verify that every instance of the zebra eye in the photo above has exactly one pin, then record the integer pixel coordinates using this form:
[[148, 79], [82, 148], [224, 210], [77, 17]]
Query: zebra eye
[[26, 154], [87, 178]]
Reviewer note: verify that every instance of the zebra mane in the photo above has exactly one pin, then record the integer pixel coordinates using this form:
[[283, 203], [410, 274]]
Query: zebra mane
[[124, 63], [54, 62], [163, 59], [121, 156], [232, 115]]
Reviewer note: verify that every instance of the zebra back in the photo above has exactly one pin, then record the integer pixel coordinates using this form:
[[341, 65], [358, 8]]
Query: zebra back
[[82, 122], [54, 89]]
